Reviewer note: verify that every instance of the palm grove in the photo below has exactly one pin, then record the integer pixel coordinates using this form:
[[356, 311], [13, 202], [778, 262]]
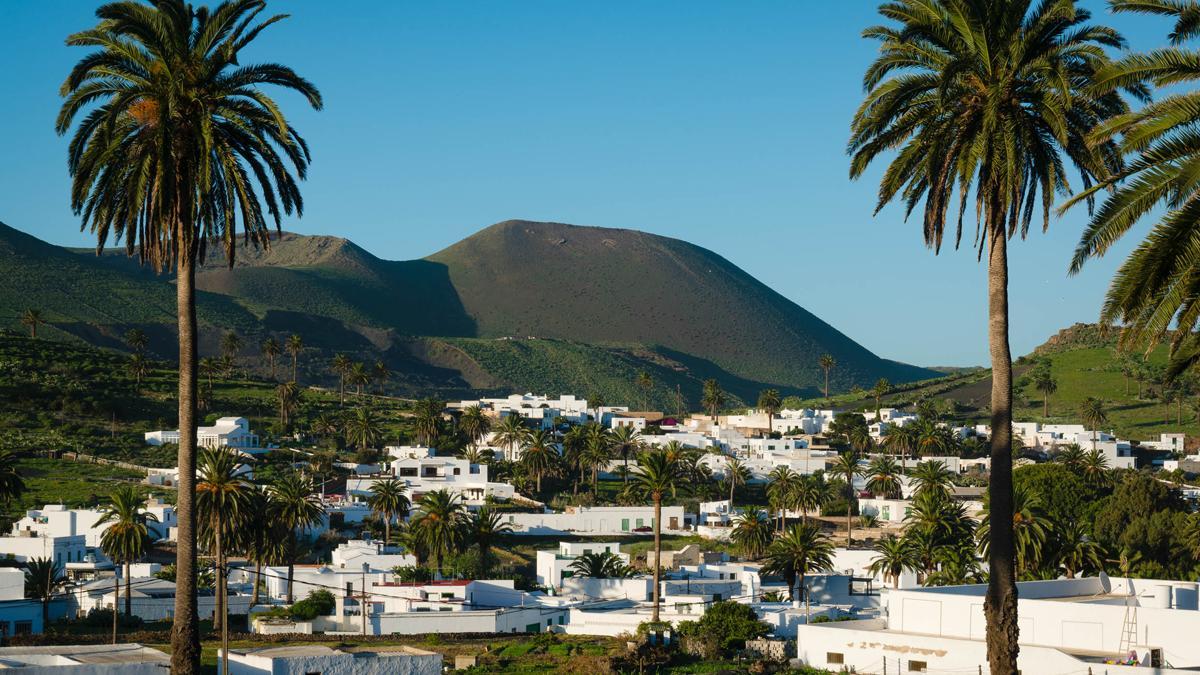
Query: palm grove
[[174, 140]]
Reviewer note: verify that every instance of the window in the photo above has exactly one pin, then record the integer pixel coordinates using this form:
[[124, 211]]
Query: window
[[457, 471], [421, 609], [918, 667], [834, 658], [349, 588], [474, 468], [22, 627], [408, 471], [640, 522], [445, 609]]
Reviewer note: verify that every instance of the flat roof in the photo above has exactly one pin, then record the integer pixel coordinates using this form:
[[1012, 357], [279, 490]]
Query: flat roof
[[99, 654]]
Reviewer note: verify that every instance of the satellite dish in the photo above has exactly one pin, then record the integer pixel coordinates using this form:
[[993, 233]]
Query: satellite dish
[[1105, 584]]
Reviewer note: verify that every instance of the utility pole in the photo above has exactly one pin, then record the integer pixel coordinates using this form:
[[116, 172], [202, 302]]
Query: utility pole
[[363, 606], [224, 591]]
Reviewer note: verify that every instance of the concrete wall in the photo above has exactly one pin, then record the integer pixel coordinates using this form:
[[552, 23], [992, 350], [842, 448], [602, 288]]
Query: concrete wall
[[637, 589], [595, 521], [336, 663]]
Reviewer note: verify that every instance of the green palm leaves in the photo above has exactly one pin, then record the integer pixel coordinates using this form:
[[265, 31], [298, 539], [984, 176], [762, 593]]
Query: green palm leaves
[[438, 525], [802, 550], [125, 538], [603, 565], [291, 503], [388, 501], [752, 533]]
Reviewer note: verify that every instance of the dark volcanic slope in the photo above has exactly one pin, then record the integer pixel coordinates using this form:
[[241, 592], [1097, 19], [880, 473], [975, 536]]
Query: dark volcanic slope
[[669, 301], [603, 285]]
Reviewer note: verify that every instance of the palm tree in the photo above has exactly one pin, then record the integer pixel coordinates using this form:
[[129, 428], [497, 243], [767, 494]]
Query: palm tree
[[1077, 552], [644, 382], [125, 538], [602, 565], [1155, 288], [1071, 456], [1093, 414], [1031, 528], [883, 477], [288, 396], [539, 454], [326, 425], [894, 557], [31, 319], [626, 441], [291, 503], [802, 550], [484, 527], [388, 502], [752, 533], [427, 419], [846, 467], [43, 579], [265, 541], [231, 344], [781, 490], [736, 474], [270, 350], [474, 424], [827, 363], [136, 340], [811, 494], [139, 368], [900, 441], [657, 474], [1094, 467], [597, 450], [510, 434], [208, 369], [770, 402], [224, 499], [359, 377], [1047, 385], [12, 485], [341, 365], [380, 373], [712, 398], [985, 98], [293, 346], [932, 476], [881, 388], [438, 523], [362, 428]]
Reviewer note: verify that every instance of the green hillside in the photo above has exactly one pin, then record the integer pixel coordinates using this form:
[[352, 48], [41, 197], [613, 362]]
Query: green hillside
[[603, 304], [1084, 362], [609, 286]]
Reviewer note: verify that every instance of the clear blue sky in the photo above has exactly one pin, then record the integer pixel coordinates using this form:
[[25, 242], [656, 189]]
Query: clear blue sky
[[722, 123]]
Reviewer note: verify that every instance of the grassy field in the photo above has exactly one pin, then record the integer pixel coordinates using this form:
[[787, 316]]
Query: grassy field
[[75, 484]]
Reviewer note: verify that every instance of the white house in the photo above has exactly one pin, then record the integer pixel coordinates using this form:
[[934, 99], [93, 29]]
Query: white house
[[353, 554], [309, 659], [1066, 625], [170, 477], [25, 545], [228, 432], [422, 474], [554, 565], [598, 520], [122, 659], [153, 599], [56, 520]]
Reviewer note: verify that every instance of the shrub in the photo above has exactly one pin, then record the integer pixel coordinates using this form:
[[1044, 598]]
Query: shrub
[[318, 603], [725, 626]]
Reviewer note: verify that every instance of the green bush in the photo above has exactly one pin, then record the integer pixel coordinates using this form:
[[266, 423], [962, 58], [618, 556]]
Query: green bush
[[726, 625], [318, 603]]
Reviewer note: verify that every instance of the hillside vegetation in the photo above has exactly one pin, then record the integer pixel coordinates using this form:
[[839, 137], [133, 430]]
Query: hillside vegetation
[[1084, 362], [609, 303]]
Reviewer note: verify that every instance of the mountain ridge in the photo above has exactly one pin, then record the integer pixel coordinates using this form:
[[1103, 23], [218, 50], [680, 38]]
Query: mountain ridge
[[638, 297]]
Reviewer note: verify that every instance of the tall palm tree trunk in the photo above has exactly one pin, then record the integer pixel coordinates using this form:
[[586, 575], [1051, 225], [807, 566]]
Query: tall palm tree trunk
[[1000, 605], [257, 580], [219, 609], [116, 605], [128, 596], [657, 553], [291, 570], [185, 636]]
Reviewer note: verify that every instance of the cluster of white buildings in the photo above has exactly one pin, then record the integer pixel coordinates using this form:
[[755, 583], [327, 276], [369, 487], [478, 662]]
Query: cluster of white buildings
[[228, 432]]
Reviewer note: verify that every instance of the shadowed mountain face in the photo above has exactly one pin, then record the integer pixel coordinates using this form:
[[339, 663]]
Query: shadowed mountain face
[[596, 297], [603, 285]]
